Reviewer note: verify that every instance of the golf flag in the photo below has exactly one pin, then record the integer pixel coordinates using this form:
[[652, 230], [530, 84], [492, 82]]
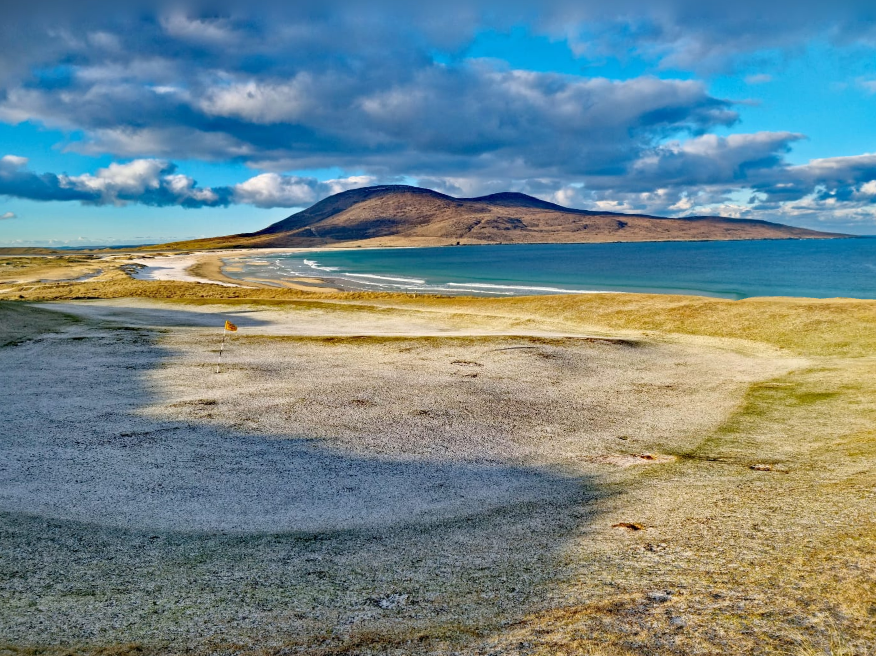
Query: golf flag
[[229, 327]]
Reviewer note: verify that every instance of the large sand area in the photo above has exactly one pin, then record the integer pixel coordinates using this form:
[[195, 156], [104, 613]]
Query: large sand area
[[402, 475]]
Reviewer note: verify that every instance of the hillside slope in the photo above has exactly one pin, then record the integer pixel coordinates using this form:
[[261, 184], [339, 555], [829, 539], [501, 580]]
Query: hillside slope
[[396, 215]]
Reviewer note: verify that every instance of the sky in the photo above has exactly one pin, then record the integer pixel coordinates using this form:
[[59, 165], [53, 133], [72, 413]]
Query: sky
[[143, 124]]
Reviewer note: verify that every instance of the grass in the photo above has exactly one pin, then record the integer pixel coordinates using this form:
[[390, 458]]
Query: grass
[[830, 327], [52, 266], [843, 327], [757, 562], [20, 322]]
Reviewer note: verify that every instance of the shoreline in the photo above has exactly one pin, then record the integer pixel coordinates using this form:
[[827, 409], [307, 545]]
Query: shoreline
[[208, 269], [179, 268], [224, 268], [406, 274]]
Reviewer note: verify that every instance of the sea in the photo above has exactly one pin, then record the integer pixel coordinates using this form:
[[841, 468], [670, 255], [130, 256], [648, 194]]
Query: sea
[[725, 269]]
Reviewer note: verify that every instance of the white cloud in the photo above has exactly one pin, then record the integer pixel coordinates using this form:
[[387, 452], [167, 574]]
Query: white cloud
[[7, 215], [217, 31], [758, 78], [684, 204], [131, 179], [262, 103], [704, 160], [13, 161], [148, 181], [274, 190], [868, 85], [417, 120]]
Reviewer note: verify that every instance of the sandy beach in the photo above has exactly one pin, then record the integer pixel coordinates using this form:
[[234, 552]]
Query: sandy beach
[[210, 268]]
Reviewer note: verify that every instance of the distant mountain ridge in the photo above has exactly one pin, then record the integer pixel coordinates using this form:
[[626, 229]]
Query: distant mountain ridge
[[401, 215]]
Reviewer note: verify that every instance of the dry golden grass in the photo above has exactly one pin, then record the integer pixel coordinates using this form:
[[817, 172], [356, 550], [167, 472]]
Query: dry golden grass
[[804, 326], [840, 327], [49, 267], [755, 562]]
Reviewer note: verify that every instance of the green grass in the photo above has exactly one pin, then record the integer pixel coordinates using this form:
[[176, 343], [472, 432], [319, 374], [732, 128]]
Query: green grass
[[20, 322]]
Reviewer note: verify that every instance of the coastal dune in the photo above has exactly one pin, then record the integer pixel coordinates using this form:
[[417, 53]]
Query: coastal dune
[[435, 476]]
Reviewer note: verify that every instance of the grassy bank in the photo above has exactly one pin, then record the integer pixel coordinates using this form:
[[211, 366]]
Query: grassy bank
[[839, 327]]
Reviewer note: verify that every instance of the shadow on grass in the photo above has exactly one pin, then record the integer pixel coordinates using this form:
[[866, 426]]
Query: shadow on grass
[[119, 528]]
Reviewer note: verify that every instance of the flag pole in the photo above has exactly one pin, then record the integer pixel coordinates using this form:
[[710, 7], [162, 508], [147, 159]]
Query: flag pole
[[221, 346]]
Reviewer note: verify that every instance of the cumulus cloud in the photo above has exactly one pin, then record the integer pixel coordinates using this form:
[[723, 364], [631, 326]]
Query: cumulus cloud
[[709, 160], [385, 88], [156, 182], [16, 181], [273, 190], [293, 87], [435, 120], [144, 181], [743, 176], [266, 104], [235, 34], [711, 37], [7, 215]]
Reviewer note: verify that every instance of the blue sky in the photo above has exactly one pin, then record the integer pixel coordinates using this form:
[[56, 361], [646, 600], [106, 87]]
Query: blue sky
[[166, 122]]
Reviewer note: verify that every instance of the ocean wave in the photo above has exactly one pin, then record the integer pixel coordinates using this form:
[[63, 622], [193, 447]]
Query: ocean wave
[[415, 281], [480, 291], [484, 285], [316, 265]]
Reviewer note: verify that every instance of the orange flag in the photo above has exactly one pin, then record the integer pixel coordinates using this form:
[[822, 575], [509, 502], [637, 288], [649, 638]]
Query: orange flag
[[230, 326]]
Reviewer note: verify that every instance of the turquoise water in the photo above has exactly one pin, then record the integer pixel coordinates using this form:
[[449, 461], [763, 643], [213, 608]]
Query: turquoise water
[[739, 269]]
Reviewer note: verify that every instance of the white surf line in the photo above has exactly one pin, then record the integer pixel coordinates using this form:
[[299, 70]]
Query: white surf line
[[316, 265], [483, 285], [173, 268], [484, 288], [413, 281]]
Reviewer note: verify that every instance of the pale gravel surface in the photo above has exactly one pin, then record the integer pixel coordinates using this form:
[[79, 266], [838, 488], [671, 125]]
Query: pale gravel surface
[[146, 498]]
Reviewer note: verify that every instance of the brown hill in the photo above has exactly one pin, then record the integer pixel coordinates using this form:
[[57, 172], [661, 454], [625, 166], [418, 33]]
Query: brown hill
[[396, 215]]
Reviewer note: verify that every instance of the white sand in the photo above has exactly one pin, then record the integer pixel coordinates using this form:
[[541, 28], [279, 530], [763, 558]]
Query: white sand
[[173, 267]]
